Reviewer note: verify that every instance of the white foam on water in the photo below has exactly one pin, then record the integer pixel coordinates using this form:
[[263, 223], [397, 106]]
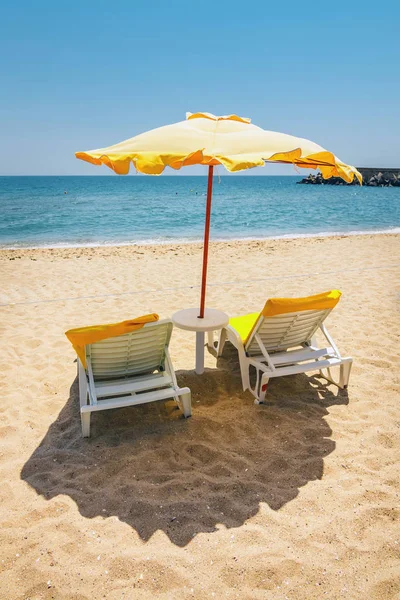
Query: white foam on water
[[197, 240]]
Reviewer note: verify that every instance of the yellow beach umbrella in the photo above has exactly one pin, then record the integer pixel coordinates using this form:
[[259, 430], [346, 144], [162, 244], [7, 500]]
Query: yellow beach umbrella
[[204, 139]]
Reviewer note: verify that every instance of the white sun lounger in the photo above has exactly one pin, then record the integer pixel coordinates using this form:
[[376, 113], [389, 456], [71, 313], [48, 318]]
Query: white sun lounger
[[281, 340], [130, 369]]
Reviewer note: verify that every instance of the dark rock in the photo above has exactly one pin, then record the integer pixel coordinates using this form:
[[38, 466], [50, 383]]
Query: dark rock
[[371, 177]]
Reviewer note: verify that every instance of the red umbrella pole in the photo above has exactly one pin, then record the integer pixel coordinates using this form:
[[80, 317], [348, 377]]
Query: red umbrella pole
[[206, 239]]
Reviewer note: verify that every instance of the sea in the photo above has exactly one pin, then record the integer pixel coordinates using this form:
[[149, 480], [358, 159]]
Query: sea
[[64, 211]]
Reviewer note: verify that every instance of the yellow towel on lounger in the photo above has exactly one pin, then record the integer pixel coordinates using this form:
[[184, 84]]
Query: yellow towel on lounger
[[280, 306], [82, 336], [245, 324]]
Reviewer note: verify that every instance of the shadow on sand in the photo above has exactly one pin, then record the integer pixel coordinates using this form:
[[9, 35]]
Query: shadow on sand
[[155, 470]]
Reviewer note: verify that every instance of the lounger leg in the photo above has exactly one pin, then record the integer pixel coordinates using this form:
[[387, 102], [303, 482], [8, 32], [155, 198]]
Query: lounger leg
[[210, 337], [328, 376], [83, 386], [345, 375], [263, 389], [244, 371], [85, 420], [186, 400], [221, 341], [255, 390]]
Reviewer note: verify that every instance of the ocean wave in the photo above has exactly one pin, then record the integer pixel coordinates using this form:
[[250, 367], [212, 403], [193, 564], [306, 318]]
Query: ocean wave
[[197, 240]]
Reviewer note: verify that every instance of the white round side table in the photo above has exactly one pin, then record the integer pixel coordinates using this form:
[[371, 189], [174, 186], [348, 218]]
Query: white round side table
[[213, 320]]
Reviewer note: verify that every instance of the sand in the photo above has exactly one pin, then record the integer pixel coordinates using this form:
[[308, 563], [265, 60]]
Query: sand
[[295, 499]]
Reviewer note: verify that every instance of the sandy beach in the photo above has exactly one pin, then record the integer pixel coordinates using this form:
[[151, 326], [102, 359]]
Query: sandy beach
[[296, 499]]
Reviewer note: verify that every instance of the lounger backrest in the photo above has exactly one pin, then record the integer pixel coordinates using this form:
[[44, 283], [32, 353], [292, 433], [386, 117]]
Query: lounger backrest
[[281, 332], [135, 353], [286, 323]]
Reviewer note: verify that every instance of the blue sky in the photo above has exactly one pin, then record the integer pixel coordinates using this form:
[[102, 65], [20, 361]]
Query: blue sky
[[82, 75]]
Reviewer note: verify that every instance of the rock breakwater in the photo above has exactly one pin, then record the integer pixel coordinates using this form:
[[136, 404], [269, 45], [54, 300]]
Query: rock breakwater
[[371, 177]]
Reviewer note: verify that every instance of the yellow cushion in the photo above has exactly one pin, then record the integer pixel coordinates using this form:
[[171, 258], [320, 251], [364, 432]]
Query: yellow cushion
[[82, 336], [244, 324]]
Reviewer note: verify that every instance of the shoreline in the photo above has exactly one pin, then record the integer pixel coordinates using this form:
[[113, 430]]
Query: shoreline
[[198, 241]]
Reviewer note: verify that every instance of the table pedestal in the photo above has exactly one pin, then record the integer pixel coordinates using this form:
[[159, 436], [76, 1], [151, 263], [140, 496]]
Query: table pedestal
[[213, 320]]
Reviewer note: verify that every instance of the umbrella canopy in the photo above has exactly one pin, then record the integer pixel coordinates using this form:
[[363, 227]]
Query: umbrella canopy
[[204, 139]]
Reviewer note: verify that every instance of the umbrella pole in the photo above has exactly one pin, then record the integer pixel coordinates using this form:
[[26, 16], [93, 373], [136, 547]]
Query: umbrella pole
[[206, 239]]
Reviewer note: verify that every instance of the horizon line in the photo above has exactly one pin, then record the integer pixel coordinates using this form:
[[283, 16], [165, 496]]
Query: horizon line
[[146, 175]]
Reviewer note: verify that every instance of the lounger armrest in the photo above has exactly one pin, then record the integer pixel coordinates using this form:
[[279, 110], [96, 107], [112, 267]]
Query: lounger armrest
[[230, 334], [182, 391], [233, 336]]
